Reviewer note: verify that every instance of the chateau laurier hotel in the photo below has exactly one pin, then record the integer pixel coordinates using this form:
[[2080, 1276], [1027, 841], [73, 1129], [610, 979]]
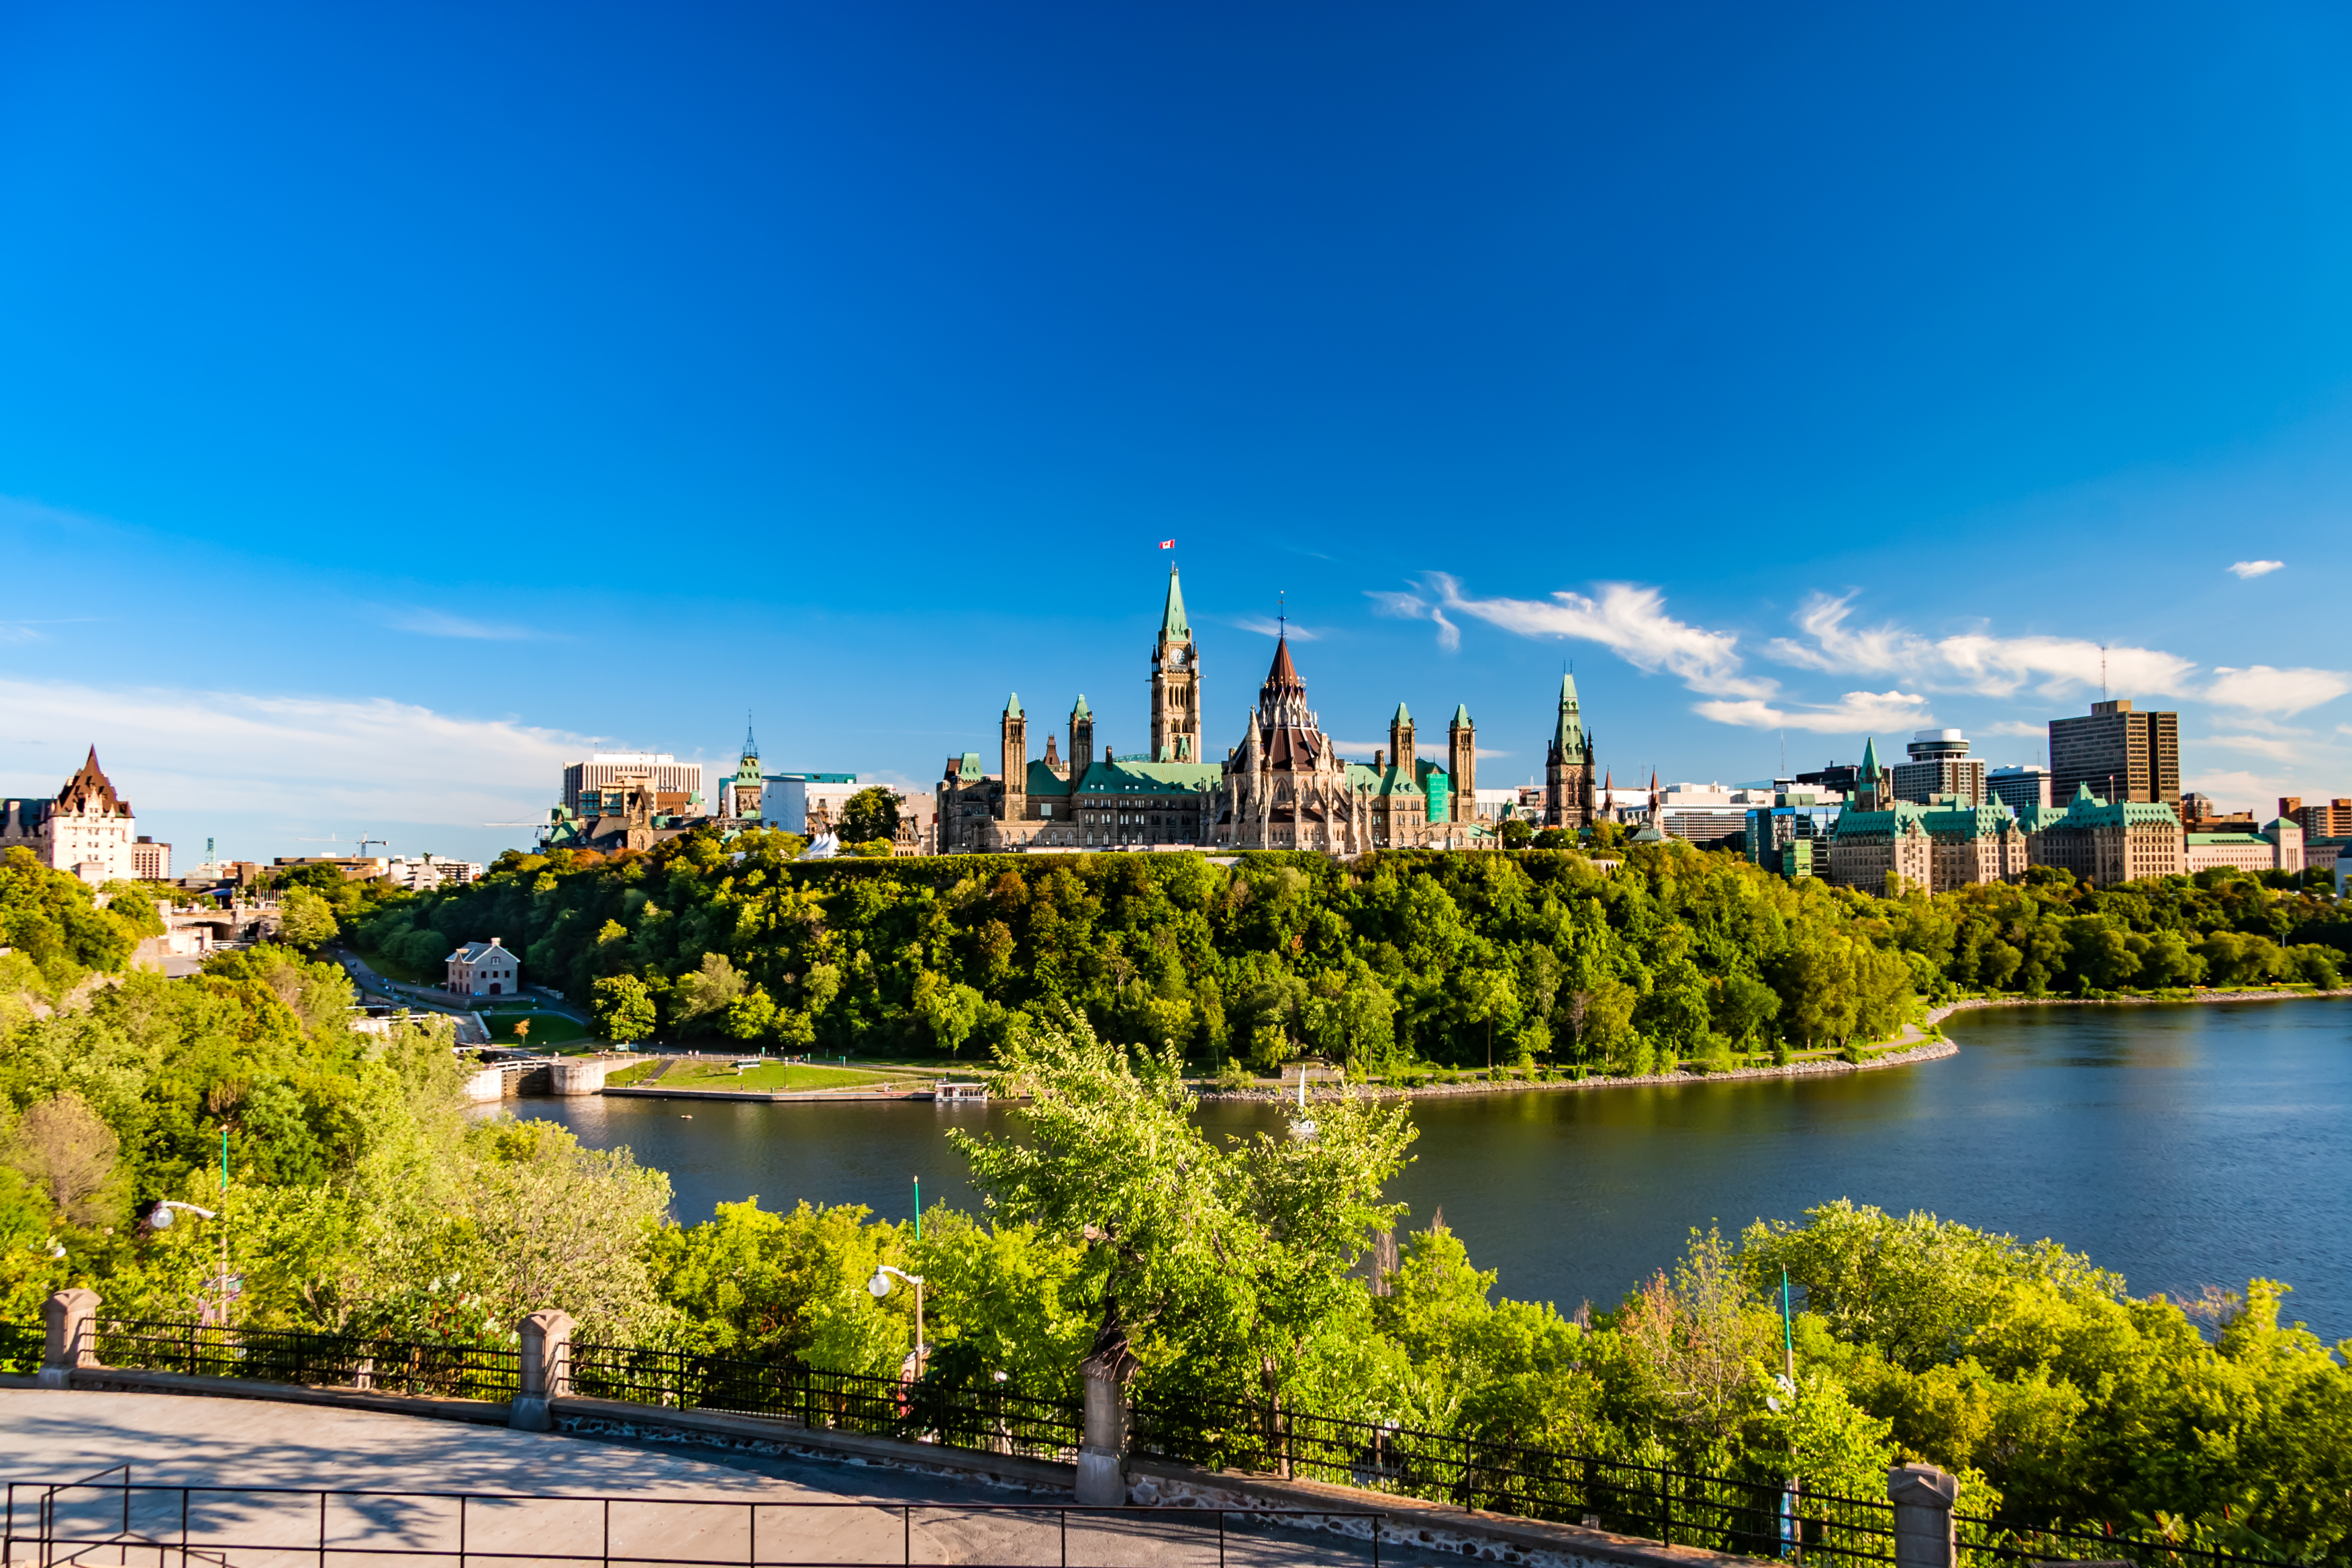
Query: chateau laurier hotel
[[1284, 786]]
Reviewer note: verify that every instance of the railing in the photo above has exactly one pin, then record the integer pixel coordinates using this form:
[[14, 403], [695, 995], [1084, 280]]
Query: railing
[[200, 1527], [299, 1356], [1758, 1515], [1763, 1518], [1990, 1543], [990, 1418]]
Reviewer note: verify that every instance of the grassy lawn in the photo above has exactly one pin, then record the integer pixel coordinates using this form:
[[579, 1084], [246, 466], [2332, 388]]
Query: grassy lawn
[[768, 1077], [546, 1029], [392, 971]]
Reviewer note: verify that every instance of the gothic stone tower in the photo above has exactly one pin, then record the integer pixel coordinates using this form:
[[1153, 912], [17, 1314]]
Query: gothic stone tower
[[1400, 740], [1082, 738], [1568, 765], [1462, 762], [1175, 685], [1014, 739]]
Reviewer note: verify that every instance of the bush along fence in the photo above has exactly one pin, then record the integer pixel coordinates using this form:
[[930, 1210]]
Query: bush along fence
[[1915, 1525]]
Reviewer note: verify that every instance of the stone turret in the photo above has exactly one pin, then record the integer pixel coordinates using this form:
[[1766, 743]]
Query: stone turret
[[1015, 744], [1461, 763]]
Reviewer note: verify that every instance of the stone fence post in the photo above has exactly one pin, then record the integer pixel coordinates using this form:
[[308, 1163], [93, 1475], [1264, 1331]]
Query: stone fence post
[[1102, 1449], [546, 1370], [71, 1320], [1922, 1497]]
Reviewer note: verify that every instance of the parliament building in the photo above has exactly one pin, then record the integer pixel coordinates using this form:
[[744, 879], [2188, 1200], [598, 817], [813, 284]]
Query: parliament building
[[1282, 786]]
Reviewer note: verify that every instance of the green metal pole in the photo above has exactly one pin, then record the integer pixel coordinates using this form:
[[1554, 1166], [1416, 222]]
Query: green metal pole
[[918, 1208]]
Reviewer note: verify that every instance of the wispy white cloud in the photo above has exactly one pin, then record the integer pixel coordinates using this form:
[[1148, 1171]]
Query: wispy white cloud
[[2020, 727], [362, 762], [1628, 618], [1975, 662], [2255, 568], [2277, 749], [2260, 688], [434, 624], [1858, 712], [1266, 625], [1413, 607]]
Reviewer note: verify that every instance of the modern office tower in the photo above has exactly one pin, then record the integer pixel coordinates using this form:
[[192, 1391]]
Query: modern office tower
[[1940, 771], [677, 786], [2018, 787], [2122, 754], [2331, 819]]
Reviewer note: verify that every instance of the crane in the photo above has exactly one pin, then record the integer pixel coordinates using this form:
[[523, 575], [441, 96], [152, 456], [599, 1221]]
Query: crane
[[381, 843]]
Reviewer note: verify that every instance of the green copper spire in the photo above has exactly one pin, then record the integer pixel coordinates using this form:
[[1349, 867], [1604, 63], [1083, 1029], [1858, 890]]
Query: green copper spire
[[1568, 733], [1012, 706], [1172, 625], [1402, 716], [1869, 762], [1081, 710], [1462, 714]]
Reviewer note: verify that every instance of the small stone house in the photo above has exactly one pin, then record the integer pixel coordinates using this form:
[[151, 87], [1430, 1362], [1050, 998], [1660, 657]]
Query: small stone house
[[483, 969]]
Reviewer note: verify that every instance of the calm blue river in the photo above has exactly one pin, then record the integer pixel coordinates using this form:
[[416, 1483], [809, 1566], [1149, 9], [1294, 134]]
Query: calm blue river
[[2183, 1146]]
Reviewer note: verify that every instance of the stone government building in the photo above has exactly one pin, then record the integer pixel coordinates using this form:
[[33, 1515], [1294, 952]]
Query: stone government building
[[1952, 842], [1284, 786]]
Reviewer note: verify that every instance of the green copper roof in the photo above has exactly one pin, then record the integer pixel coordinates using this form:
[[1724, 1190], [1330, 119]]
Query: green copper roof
[[1173, 627], [1081, 710], [1567, 731], [1402, 716], [1462, 714], [970, 767], [1870, 760], [1012, 706], [1042, 781], [1136, 777]]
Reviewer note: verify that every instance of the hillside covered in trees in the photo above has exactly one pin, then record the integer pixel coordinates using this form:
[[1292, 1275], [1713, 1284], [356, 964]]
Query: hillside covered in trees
[[1398, 960]]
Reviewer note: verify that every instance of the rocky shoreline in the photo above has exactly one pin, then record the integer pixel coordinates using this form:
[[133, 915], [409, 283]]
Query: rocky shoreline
[[1926, 1050]]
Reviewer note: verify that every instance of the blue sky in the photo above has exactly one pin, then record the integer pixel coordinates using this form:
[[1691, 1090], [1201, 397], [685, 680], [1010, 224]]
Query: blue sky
[[399, 401]]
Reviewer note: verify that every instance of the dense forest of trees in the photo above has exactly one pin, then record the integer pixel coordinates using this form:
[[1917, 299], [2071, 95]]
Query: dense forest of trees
[[1401, 960]]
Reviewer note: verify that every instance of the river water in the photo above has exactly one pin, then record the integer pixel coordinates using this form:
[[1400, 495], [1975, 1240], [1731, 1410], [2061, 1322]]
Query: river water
[[2180, 1145]]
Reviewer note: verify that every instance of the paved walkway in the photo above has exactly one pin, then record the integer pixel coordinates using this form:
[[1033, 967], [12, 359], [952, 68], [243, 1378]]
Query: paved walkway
[[674, 1507]]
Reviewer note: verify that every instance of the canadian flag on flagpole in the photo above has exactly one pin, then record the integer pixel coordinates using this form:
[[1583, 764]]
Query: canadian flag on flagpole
[[1167, 544]]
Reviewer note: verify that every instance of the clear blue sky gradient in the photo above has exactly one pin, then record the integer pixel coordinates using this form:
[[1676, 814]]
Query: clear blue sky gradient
[[376, 379]]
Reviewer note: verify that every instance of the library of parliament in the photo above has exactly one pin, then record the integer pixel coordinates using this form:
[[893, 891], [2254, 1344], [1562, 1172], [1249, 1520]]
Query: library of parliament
[[1282, 786]]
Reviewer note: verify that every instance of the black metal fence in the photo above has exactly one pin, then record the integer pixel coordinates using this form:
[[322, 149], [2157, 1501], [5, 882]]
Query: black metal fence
[[1763, 1517], [1990, 1543], [299, 1356], [1759, 1515], [128, 1525], [991, 1418]]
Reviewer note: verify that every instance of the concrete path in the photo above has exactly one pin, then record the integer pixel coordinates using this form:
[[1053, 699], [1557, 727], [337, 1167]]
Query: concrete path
[[672, 1505]]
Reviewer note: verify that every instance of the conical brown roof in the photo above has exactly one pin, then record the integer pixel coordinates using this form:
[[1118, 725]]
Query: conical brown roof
[[1283, 675], [90, 790]]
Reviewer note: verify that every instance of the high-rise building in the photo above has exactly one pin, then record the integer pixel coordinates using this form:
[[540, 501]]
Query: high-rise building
[[1940, 771], [2018, 787], [677, 786], [2332, 820], [150, 862], [2122, 755]]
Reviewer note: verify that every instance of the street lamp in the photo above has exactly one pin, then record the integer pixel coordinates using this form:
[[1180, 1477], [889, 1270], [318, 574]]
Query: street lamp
[[880, 1286], [161, 1218]]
